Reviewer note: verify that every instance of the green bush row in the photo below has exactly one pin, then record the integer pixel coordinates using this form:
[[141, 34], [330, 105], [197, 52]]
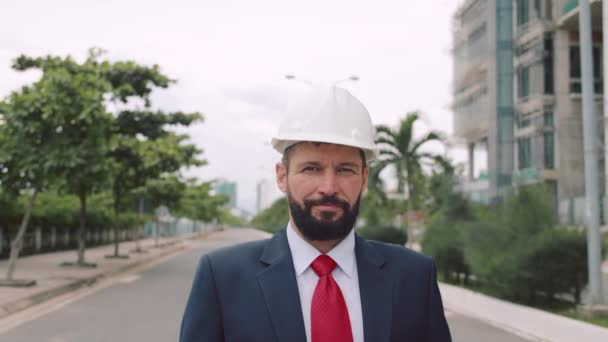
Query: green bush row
[[514, 250], [56, 210]]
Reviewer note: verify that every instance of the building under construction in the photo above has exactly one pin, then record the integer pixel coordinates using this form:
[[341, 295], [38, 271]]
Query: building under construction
[[517, 98]]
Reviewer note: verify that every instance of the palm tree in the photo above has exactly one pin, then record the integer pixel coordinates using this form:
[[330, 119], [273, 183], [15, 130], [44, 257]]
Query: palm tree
[[400, 150]]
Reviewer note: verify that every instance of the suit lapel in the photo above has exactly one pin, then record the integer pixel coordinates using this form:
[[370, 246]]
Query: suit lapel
[[279, 286], [376, 288]]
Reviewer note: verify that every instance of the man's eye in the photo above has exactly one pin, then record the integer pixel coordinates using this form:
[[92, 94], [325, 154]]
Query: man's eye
[[310, 169]]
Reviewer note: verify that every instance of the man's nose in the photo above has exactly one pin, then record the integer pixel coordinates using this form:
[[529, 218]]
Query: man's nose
[[328, 185]]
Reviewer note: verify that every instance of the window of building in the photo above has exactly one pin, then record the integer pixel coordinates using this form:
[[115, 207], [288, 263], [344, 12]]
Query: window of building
[[575, 70], [524, 123], [597, 70], [523, 13], [524, 153], [548, 65], [549, 149], [538, 12], [523, 82], [548, 119]]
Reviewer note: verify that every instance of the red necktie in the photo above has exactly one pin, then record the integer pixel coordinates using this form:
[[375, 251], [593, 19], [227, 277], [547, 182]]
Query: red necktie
[[329, 315]]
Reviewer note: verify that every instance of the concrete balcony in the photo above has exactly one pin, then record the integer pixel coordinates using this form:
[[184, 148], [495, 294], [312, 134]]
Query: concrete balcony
[[471, 126], [571, 12], [534, 103], [533, 175], [531, 56], [532, 31]]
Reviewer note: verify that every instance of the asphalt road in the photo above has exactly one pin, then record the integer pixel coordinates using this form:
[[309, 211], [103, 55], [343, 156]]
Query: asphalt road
[[148, 306]]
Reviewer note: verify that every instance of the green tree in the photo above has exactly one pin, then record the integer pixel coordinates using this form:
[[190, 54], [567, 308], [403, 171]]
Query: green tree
[[273, 218], [110, 150], [199, 204], [167, 190], [132, 130], [399, 149], [78, 103], [136, 134], [44, 131]]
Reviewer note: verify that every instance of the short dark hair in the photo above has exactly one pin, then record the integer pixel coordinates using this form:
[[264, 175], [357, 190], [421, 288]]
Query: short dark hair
[[289, 150]]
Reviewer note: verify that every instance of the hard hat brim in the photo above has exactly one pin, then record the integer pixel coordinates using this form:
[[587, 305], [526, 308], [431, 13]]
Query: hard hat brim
[[280, 145]]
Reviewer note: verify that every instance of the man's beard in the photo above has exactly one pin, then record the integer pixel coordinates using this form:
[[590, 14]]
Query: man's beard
[[324, 229]]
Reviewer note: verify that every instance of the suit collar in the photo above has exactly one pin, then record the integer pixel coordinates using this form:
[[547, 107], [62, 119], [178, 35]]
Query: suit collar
[[367, 252], [280, 289], [376, 289]]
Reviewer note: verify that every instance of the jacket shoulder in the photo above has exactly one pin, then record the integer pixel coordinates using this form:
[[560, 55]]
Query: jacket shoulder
[[237, 254], [401, 256]]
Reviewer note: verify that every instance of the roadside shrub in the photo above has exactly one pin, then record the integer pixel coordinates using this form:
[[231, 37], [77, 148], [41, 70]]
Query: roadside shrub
[[517, 252], [555, 262], [444, 237], [444, 241], [386, 234]]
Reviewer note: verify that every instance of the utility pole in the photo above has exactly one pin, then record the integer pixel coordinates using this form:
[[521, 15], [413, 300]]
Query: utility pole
[[605, 74], [591, 164]]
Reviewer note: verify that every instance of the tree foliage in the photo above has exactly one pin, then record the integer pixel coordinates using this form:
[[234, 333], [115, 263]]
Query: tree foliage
[[199, 204], [59, 134], [273, 218], [399, 149]]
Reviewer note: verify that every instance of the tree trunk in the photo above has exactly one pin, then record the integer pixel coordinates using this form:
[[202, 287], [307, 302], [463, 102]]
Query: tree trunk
[[156, 231], [116, 239], [139, 232], [17, 243], [410, 216], [82, 229], [116, 232]]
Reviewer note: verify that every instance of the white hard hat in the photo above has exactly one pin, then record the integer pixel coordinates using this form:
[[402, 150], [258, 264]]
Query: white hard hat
[[329, 115]]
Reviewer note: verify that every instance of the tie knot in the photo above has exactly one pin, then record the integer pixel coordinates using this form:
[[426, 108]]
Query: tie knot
[[323, 265]]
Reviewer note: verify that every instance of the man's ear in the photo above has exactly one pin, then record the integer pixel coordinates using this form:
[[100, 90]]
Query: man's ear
[[281, 174]]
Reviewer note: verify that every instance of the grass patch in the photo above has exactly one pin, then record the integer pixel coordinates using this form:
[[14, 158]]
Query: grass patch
[[571, 313]]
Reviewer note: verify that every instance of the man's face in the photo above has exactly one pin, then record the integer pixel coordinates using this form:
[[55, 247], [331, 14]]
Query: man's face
[[323, 183]]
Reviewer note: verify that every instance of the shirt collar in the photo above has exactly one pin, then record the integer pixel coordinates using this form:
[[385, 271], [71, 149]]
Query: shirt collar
[[303, 253]]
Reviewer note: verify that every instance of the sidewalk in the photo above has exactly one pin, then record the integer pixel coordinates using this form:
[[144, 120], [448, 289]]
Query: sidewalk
[[54, 280]]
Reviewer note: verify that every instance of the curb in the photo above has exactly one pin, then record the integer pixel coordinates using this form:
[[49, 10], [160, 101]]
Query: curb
[[527, 322], [24, 303]]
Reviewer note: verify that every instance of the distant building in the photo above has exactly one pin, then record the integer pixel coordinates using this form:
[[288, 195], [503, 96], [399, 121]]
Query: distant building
[[483, 92], [517, 96], [265, 194], [229, 189]]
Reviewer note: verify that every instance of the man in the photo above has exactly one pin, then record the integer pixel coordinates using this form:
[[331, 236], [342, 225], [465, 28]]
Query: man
[[316, 280]]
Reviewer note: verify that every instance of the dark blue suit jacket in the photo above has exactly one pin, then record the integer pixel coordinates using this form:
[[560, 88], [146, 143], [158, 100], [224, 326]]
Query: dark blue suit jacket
[[249, 293]]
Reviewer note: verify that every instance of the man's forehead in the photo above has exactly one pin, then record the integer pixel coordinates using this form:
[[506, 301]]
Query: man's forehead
[[324, 147], [306, 150]]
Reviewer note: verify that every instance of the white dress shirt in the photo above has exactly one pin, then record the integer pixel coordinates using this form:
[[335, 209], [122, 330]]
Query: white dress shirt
[[345, 274]]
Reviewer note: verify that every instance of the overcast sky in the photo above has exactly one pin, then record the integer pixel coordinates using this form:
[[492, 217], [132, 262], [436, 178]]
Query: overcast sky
[[230, 58]]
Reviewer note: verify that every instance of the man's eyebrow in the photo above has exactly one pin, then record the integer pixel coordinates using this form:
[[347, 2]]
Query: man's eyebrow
[[308, 163], [351, 164]]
